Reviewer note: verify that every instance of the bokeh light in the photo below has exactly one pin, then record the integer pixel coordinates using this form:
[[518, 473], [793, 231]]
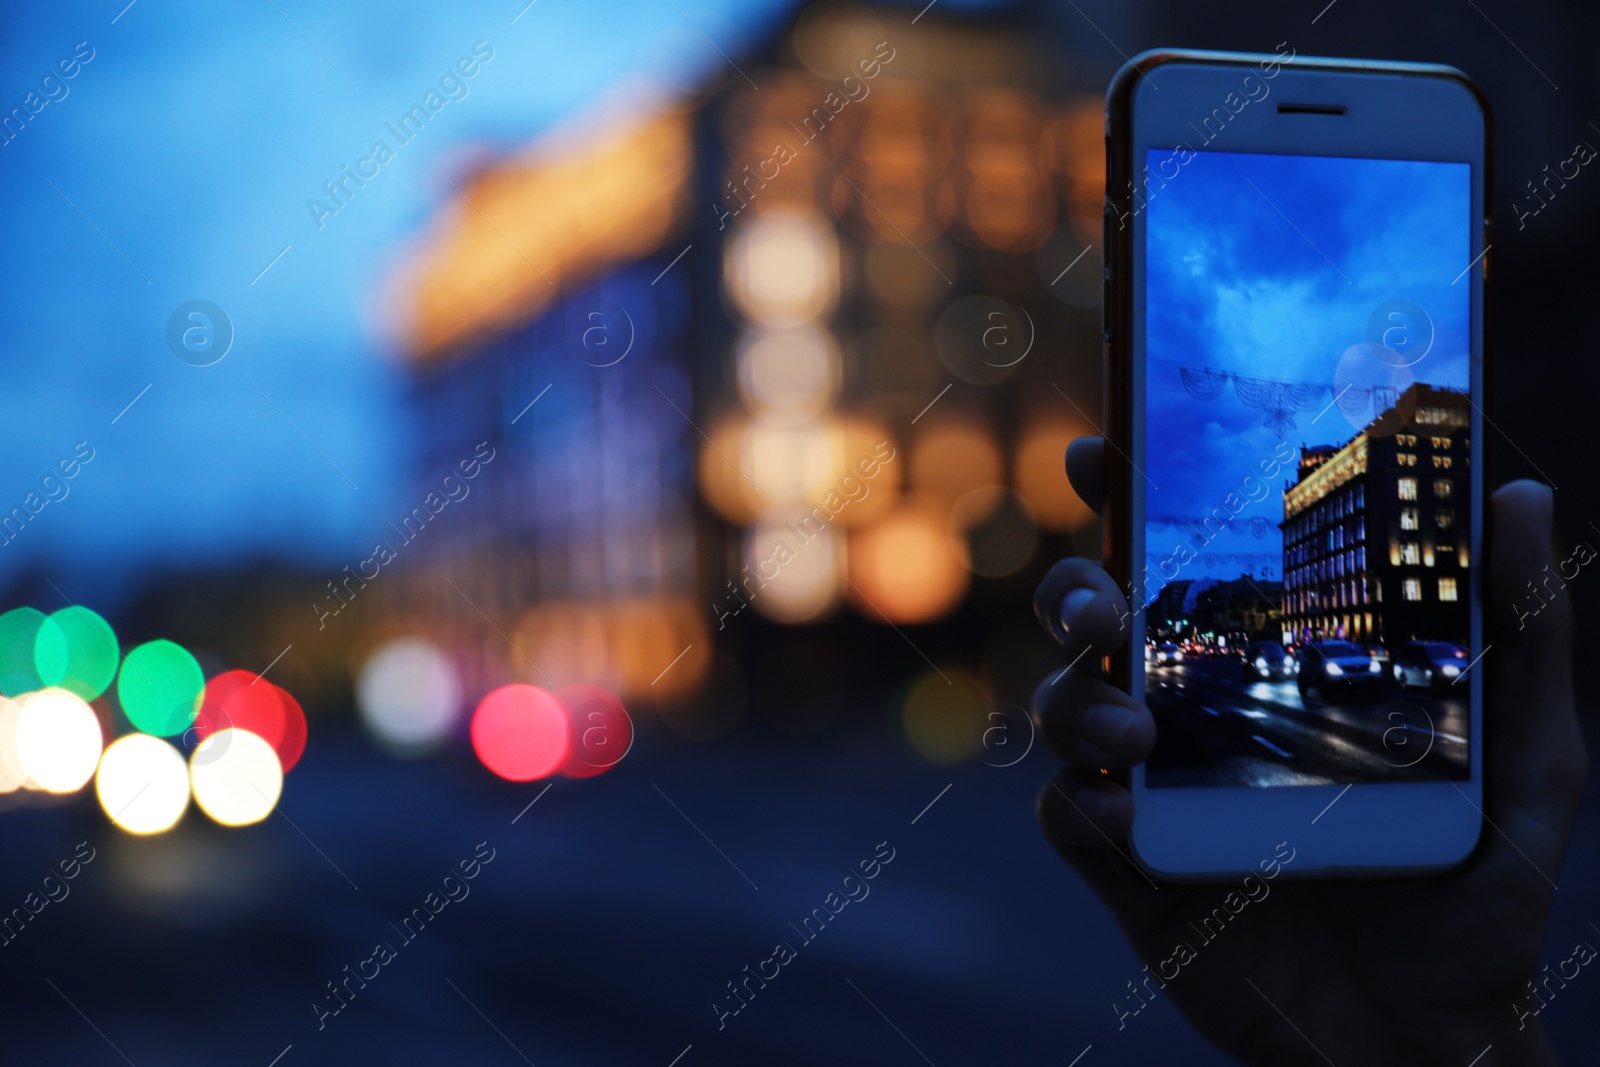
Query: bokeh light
[[1039, 471], [143, 784], [236, 777], [519, 732], [13, 775], [794, 568], [906, 568], [600, 732], [791, 464], [944, 715], [952, 458], [245, 700], [160, 687], [76, 650], [726, 486], [790, 374], [409, 694], [783, 268], [19, 635], [291, 744], [58, 739]]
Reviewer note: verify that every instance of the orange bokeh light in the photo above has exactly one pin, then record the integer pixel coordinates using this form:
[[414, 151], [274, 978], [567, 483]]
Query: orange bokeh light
[[905, 568], [1039, 471]]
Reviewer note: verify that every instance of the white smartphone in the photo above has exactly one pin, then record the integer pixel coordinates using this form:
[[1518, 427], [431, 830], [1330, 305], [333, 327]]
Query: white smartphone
[[1296, 254]]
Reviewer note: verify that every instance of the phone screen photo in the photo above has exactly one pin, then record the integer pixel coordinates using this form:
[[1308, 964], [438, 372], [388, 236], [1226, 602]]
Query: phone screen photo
[[1295, 278], [1307, 413]]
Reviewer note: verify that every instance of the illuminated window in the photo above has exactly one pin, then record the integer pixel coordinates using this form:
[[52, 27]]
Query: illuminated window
[[1441, 488], [1446, 462], [1412, 589], [1408, 518], [1377, 591], [1408, 488], [1445, 517], [1410, 553], [1407, 459], [1436, 463], [1447, 588]]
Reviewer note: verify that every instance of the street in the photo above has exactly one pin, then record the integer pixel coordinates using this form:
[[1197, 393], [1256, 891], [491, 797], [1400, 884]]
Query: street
[[1215, 728]]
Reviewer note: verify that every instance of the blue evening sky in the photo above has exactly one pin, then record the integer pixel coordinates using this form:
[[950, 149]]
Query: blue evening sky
[[191, 142], [1278, 281]]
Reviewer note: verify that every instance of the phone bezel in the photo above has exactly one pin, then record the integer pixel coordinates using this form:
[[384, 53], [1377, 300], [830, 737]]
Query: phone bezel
[[1393, 110]]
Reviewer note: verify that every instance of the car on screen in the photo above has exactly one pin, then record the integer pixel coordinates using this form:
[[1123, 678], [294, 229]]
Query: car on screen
[[1266, 661], [1168, 655], [1334, 670], [1429, 664]]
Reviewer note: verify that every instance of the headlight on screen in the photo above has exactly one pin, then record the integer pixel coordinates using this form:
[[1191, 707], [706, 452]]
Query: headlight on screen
[[1449, 670], [1374, 668], [1261, 663], [1334, 670]]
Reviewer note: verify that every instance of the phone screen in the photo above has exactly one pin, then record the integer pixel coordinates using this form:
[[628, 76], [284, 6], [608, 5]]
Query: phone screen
[[1307, 480]]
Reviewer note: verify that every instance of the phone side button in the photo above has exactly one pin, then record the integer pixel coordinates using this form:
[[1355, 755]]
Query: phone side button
[[1107, 326], [1108, 258]]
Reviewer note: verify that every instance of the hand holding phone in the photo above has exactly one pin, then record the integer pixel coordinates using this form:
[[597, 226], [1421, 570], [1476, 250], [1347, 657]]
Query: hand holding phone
[[1379, 971]]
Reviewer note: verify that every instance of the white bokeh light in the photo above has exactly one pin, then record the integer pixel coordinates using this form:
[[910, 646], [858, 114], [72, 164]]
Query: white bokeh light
[[58, 740], [409, 694], [143, 784], [236, 777], [12, 773]]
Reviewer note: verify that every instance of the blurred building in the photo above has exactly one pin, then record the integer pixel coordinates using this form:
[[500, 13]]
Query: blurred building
[[901, 213], [862, 303], [1166, 610], [1376, 532], [544, 330], [1243, 608]]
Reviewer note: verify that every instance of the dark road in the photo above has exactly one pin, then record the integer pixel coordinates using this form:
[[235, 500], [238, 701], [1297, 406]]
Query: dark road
[[1218, 729]]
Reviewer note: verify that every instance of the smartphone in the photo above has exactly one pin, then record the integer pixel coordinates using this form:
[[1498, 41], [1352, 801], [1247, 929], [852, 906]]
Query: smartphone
[[1296, 254]]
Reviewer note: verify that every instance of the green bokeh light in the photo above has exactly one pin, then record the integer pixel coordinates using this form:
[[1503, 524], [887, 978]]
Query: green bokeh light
[[160, 688], [76, 650], [19, 630]]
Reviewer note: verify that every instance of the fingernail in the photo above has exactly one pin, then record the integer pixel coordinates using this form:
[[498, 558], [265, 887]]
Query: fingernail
[[1103, 725], [1072, 605]]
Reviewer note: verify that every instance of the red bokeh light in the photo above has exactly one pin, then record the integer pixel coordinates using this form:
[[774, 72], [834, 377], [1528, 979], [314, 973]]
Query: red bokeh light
[[245, 700], [519, 732], [599, 731]]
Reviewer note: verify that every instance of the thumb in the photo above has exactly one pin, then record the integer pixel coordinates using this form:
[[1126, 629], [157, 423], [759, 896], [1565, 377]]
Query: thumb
[[1535, 754]]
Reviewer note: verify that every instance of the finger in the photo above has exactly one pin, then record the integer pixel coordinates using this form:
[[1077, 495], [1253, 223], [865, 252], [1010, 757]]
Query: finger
[[1079, 604], [1535, 748], [1084, 809], [1090, 723], [1086, 470], [1086, 818]]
